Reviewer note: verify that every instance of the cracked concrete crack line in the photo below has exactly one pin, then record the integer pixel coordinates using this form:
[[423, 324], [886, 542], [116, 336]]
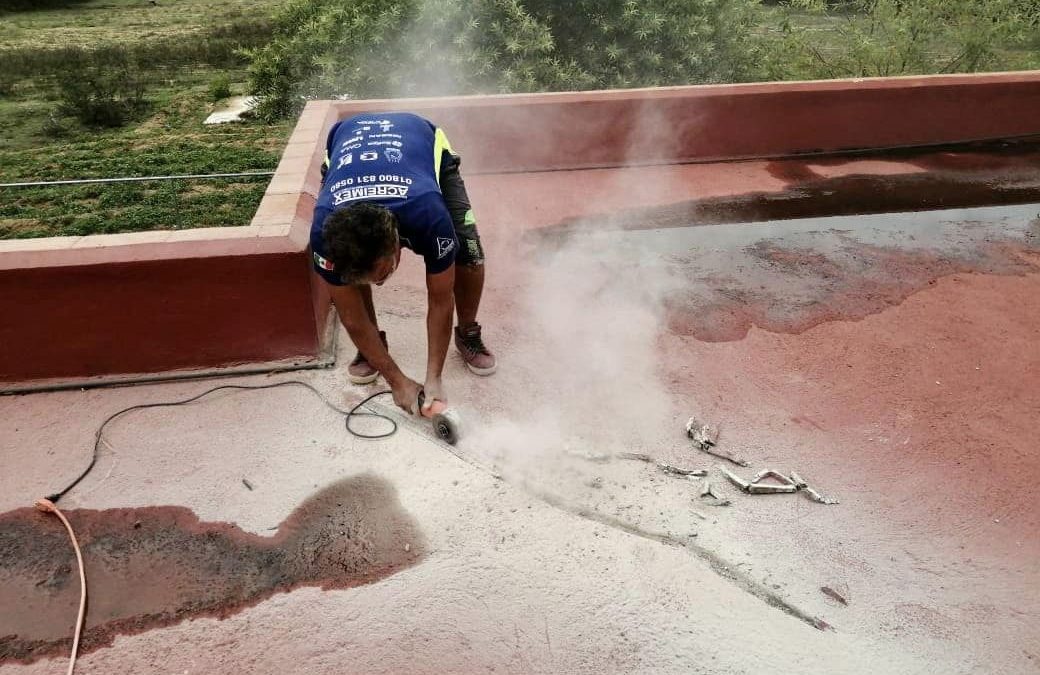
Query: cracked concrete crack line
[[715, 562]]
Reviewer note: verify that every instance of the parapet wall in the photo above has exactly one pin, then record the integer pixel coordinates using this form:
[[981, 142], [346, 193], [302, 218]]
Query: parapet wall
[[81, 308], [545, 132]]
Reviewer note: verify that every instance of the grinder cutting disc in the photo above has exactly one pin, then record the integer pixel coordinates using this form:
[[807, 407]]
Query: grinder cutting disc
[[446, 424]]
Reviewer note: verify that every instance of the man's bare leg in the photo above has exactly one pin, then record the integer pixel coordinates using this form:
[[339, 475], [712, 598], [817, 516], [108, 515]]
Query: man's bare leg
[[469, 285]]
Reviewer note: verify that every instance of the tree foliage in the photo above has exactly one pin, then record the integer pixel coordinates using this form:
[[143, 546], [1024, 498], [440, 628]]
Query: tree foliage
[[877, 38], [387, 48]]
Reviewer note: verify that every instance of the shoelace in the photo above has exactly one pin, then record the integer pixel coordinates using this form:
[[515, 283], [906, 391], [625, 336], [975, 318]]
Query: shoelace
[[474, 342]]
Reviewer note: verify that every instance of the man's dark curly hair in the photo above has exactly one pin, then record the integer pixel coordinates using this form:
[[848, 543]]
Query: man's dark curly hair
[[357, 236]]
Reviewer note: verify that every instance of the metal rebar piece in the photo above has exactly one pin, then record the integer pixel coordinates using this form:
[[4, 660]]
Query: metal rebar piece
[[735, 479], [769, 473], [637, 456], [817, 497], [766, 489], [722, 454], [676, 471]]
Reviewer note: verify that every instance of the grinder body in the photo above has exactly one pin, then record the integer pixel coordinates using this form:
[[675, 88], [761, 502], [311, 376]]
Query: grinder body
[[446, 421]]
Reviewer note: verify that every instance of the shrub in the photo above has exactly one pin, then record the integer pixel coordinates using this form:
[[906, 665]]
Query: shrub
[[622, 43], [372, 48], [106, 89], [55, 126], [220, 87]]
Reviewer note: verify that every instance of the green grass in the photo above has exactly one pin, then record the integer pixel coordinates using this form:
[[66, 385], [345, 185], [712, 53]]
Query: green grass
[[827, 33], [39, 143], [88, 24], [183, 49]]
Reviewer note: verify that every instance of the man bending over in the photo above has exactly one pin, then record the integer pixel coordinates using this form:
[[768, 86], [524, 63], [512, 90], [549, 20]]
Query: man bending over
[[391, 180]]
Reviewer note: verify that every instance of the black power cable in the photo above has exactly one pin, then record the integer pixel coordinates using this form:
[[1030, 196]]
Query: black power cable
[[347, 416]]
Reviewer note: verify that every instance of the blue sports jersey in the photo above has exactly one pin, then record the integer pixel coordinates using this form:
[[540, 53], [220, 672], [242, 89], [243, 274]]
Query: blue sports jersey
[[392, 159]]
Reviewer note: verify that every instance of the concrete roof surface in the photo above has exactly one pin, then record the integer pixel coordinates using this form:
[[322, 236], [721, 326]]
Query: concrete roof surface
[[891, 360]]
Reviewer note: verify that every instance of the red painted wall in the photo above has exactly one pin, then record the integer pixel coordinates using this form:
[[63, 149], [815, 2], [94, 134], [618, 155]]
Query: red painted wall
[[152, 316], [682, 124], [117, 304]]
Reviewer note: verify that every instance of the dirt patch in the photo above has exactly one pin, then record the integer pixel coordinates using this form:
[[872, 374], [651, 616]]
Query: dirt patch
[[801, 261], [792, 289], [12, 226], [156, 566]]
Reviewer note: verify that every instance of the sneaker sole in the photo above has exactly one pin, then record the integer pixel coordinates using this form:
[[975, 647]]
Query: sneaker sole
[[362, 379], [483, 372]]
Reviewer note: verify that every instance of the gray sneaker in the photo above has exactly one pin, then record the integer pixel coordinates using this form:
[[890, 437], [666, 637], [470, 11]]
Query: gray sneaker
[[478, 358], [360, 371]]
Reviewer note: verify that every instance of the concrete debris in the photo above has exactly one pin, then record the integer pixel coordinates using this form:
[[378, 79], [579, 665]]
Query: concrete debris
[[782, 485], [834, 595], [706, 439], [599, 458], [594, 457], [726, 455], [810, 492], [710, 498], [666, 468], [234, 110], [820, 624], [703, 435], [818, 498], [676, 471]]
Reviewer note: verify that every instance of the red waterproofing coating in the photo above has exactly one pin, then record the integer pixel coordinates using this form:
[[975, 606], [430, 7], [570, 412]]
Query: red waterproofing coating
[[104, 305], [681, 124], [141, 317]]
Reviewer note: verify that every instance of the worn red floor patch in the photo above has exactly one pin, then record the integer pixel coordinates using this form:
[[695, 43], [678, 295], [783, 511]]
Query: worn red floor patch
[[156, 566], [792, 289]]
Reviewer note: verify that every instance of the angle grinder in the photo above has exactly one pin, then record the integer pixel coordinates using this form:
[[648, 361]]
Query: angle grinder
[[446, 421]]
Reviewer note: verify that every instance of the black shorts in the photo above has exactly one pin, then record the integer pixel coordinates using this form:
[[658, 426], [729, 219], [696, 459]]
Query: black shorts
[[454, 191]]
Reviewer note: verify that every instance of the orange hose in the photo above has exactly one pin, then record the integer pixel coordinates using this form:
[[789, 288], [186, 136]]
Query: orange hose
[[47, 506]]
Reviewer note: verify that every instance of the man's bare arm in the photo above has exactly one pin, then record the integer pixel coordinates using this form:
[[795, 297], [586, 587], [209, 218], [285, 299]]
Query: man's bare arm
[[351, 309], [441, 309]]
